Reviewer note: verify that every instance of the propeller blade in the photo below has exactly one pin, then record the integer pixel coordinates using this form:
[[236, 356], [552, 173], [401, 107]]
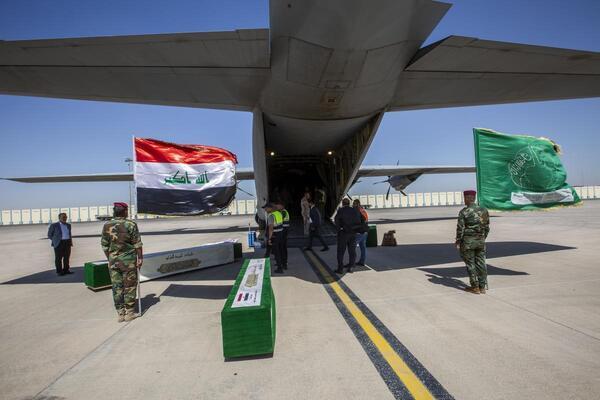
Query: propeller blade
[[386, 181], [387, 195], [403, 193]]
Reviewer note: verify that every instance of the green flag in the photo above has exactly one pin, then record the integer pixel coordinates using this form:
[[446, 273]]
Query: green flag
[[518, 172]]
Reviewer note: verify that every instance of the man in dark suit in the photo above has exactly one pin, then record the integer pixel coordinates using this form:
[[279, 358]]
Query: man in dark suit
[[347, 220], [61, 240], [314, 229]]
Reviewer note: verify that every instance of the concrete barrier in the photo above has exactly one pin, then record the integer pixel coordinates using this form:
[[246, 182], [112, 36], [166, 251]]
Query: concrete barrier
[[363, 199], [458, 198], [15, 217], [388, 203], [26, 216], [412, 200], [36, 216], [420, 202], [45, 215], [6, 217], [371, 201], [233, 207], [241, 207], [250, 207]]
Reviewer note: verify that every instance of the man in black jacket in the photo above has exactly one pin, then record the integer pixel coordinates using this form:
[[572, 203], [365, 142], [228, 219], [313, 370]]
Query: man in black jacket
[[347, 220], [314, 230], [59, 234]]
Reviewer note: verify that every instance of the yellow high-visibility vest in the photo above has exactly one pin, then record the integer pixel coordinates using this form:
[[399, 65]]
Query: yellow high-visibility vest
[[286, 218], [278, 223]]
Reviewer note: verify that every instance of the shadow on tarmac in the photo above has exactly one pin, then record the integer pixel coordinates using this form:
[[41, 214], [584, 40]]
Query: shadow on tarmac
[[215, 292], [449, 276], [183, 231], [384, 221], [219, 272], [378, 259], [421, 255], [49, 276], [148, 301]]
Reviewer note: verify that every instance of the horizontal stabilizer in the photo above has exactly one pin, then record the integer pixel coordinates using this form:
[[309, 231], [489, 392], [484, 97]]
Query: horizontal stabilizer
[[221, 70], [465, 71]]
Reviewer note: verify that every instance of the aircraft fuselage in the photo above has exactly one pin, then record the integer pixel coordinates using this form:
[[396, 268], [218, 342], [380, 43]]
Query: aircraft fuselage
[[334, 69]]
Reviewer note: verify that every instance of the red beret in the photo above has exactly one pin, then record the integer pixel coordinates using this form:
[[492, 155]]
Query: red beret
[[120, 205], [470, 193]]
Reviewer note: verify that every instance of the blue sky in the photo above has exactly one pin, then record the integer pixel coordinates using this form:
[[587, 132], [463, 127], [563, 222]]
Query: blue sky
[[52, 136]]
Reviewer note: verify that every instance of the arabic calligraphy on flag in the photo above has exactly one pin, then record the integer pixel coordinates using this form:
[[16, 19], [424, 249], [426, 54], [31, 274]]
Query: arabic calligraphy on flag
[[519, 172], [176, 179]]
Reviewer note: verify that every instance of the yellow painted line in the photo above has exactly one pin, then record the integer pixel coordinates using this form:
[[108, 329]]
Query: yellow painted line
[[403, 371]]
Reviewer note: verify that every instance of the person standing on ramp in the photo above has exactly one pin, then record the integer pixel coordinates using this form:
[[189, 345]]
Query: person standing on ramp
[[122, 246], [274, 235], [285, 215], [315, 227], [471, 231], [347, 220]]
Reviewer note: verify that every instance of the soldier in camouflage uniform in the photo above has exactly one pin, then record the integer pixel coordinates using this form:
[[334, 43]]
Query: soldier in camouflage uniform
[[471, 231], [122, 246]]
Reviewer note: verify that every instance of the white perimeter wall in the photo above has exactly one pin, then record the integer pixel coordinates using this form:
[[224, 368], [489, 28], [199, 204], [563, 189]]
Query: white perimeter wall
[[248, 207]]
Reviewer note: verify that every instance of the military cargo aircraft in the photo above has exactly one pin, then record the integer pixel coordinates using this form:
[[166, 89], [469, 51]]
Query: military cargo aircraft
[[318, 81]]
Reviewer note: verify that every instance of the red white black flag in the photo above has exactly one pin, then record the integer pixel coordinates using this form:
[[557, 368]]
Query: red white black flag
[[175, 179]]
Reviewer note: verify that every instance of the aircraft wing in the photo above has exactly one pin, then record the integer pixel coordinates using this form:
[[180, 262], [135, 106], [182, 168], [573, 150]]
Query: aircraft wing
[[391, 170], [221, 70], [246, 174], [241, 174], [464, 71]]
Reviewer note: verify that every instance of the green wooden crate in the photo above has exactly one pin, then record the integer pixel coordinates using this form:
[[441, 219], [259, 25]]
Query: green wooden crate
[[249, 330], [372, 236], [96, 275]]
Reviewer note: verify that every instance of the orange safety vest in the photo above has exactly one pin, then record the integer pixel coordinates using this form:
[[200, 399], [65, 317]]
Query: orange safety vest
[[363, 212]]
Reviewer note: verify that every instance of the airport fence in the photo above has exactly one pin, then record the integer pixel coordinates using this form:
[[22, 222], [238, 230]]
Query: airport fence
[[248, 207]]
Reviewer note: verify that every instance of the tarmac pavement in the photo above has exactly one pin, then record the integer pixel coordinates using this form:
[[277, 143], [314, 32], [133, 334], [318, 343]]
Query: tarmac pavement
[[534, 335]]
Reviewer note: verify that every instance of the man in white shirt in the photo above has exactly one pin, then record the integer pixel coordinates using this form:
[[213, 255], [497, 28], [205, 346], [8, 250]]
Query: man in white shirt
[[61, 240], [305, 211]]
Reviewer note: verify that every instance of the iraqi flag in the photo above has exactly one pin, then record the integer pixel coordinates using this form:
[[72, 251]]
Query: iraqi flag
[[176, 179]]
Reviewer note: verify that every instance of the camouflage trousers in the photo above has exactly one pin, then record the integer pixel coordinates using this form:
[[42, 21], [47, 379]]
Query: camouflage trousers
[[474, 258], [124, 284]]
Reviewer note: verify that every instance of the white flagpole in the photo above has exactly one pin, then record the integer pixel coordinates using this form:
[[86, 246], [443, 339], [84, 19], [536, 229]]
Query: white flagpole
[[138, 293]]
